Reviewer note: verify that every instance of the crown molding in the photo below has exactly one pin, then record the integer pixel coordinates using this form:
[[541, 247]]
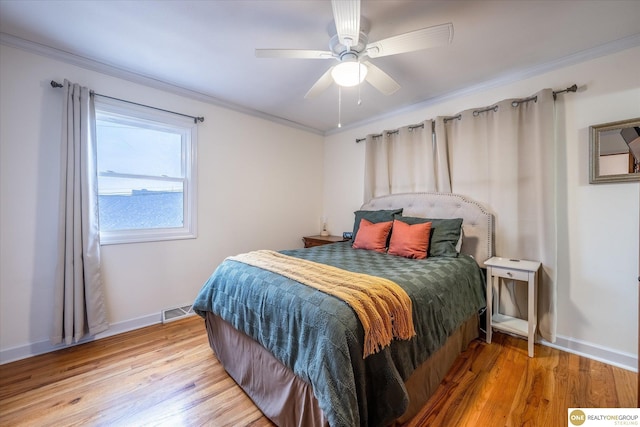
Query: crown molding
[[129, 75]]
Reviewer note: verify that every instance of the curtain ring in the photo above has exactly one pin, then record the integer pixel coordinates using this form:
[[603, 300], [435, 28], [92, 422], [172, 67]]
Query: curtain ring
[[476, 113]]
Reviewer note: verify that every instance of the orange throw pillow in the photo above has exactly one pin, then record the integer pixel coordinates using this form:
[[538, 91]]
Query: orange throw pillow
[[372, 236], [410, 241]]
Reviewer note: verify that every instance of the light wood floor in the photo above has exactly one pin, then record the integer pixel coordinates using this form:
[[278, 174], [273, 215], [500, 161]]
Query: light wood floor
[[168, 375]]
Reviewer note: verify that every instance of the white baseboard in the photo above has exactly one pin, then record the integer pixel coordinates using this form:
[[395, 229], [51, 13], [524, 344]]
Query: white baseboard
[[41, 347], [606, 355]]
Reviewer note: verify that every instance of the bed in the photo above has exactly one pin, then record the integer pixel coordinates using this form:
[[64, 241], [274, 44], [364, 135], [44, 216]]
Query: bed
[[301, 354]]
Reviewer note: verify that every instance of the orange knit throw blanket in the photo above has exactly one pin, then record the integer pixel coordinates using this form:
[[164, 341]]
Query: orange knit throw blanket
[[383, 307]]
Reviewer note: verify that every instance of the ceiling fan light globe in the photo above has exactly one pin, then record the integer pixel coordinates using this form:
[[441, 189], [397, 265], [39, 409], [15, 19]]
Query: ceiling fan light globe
[[349, 74]]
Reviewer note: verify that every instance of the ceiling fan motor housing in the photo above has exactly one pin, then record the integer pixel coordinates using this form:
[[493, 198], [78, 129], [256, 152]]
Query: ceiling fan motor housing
[[345, 53]]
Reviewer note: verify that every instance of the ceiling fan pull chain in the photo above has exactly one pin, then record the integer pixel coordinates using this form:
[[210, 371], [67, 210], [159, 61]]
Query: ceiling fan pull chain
[[359, 84], [339, 106]]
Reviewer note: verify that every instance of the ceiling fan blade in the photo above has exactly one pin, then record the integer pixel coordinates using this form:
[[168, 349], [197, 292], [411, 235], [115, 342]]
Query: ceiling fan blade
[[321, 84], [346, 14], [408, 42], [294, 53], [380, 80]]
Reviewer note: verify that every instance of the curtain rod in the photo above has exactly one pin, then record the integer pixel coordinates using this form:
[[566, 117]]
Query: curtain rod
[[391, 132], [515, 103], [195, 119]]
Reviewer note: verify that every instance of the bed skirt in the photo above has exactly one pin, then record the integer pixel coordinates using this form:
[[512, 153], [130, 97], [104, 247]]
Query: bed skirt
[[288, 401]]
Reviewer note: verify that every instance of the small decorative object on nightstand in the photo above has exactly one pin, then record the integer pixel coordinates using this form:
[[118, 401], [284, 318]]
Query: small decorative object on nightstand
[[311, 241], [324, 232], [519, 270]]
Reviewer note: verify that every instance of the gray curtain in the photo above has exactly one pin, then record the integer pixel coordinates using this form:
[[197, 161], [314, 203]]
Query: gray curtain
[[79, 298], [404, 161], [505, 157]]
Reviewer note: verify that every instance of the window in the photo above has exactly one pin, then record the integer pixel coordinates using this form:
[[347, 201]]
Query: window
[[146, 173]]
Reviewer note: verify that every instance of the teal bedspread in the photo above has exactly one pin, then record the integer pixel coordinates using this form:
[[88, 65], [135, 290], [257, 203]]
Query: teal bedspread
[[320, 338]]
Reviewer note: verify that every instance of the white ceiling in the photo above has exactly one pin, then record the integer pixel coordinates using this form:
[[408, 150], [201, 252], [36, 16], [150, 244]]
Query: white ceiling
[[208, 46]]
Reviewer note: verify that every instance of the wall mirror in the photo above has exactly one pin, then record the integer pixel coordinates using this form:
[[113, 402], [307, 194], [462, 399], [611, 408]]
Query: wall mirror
[[614, 152]]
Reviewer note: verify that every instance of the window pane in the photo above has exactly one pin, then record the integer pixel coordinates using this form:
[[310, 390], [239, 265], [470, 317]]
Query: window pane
[[127, 204], [137, 150], [146, 162]]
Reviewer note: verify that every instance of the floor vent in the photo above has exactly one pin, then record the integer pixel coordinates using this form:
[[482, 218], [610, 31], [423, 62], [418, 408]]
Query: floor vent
[[171, 314]]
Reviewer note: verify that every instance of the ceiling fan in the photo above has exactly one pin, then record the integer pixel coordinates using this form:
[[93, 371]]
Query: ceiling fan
[[350, 46]]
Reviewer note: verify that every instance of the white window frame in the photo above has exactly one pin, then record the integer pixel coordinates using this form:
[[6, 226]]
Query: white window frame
[[157, 119]]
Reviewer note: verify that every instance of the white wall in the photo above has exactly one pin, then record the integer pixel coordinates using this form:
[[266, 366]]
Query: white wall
[[259, 186], [599, 224]]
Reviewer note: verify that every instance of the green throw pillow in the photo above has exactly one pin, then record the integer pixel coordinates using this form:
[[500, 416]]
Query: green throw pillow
[[374, 217]]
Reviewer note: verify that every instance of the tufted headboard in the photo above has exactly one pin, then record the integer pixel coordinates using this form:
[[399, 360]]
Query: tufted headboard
[[477, 222]]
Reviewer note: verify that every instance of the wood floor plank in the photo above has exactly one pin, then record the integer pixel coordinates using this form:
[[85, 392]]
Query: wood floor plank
[[168, 375]]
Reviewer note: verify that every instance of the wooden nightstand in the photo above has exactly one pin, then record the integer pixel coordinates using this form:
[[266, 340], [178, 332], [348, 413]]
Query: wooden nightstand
[[311, 241], [520, 271]]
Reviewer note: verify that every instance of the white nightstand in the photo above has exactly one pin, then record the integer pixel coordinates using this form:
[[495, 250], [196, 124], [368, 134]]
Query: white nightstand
[[520, 270]]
